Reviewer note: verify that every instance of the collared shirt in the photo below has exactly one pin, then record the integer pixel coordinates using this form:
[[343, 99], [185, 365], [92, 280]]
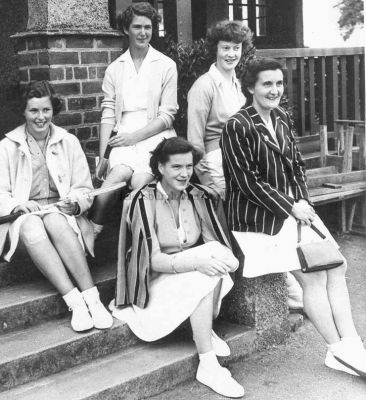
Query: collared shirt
[[43, 186], [170, 237], [135, 83], [161, 88], [270, 128]]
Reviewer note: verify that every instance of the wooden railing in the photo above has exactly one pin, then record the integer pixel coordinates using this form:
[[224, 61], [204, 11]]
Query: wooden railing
[[323, 85]]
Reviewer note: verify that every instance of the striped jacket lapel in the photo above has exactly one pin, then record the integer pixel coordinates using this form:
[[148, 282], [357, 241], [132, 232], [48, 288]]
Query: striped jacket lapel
[[262, 130]]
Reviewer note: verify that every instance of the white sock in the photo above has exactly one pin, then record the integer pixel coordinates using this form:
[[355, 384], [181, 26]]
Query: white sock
[[352, 340], [208, 359], [334, 346]]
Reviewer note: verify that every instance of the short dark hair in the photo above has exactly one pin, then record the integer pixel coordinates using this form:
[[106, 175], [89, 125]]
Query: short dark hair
[[40, 89], [143, 9], [169, 147], [253, 68], [227, 31]]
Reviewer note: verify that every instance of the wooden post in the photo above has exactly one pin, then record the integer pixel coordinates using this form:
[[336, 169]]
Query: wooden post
[[348, 146], [184, 21], [361, 142], [323, 137]]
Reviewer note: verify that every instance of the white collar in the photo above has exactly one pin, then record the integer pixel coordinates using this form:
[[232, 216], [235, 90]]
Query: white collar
[[219, 78], [161, 190]]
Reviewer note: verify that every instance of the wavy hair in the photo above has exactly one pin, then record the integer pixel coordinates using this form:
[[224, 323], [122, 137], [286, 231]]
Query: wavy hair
[[253, 68], [143, 9], [169, 147], [40, 89], [227, 31]]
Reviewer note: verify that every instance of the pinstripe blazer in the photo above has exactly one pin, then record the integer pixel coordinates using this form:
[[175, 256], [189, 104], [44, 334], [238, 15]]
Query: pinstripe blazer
[[260, 174], [135, 238]]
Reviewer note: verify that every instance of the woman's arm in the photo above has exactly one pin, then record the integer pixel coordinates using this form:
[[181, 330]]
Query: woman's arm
[[154, 127], [80, 175], [167, 109], [7, 201], [239, 154], [199, 106]]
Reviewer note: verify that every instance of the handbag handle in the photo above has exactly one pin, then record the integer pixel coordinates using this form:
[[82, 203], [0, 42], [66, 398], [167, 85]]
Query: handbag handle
[[313, 227]]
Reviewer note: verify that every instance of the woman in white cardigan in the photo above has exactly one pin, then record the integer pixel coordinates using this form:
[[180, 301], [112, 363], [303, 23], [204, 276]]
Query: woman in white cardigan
[[41, 163], [140, 101]]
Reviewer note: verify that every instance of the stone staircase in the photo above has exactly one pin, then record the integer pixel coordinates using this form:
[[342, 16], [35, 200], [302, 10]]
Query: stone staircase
[[42, 358]]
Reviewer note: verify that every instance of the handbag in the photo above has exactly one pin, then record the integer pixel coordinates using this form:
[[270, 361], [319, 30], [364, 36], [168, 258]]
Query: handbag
[[317, 256]]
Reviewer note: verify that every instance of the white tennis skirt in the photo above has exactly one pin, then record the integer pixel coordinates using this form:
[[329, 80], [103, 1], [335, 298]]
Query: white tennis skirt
[[137, 157], [266, 254]]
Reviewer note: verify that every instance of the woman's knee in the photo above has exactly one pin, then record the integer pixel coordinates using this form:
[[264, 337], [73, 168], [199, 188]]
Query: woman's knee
[[32, 230], [140, 180], [119, 173], [339, 272], [55, 223], [312, 279]]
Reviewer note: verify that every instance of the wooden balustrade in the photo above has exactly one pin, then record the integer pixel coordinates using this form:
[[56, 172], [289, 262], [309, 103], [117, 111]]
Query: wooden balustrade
[[323, 85]]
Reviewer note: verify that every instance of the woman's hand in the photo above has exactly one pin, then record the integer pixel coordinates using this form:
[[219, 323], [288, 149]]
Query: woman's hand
[[27, 207], [211, 266], [303, 211], [122, 139], [69, 207]]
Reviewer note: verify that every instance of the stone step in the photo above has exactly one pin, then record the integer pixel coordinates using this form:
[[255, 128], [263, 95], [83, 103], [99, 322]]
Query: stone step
[[21, 269], [138, 372], [30, 303], [53, 346]]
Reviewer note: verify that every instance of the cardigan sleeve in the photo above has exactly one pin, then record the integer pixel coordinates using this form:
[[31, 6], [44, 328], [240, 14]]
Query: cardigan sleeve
[[199, 105], [80, 177], [7, 201], [168, 105], [238, 151], [109, 101]]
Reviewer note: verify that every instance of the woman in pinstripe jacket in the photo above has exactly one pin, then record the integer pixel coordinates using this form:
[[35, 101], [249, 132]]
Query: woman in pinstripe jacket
[[266, 195]]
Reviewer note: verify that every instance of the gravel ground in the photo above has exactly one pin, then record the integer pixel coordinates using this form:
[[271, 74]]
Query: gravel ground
[[295, 371]]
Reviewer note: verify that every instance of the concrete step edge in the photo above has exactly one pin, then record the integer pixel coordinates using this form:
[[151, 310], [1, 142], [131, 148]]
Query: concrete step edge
[[138, 372], [31, 303], [52, 347]]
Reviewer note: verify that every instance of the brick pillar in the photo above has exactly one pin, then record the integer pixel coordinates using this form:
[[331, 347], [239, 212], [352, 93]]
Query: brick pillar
[[70, 43]]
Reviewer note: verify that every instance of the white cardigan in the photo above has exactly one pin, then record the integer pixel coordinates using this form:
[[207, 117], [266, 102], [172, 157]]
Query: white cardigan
[[66, 163]]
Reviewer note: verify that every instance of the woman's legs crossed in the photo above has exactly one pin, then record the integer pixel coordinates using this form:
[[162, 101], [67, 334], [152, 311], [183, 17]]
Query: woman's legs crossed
[[44, 255], [339, 301], [316, 303]]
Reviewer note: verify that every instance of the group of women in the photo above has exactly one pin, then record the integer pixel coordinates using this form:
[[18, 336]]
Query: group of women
[[174, 252]]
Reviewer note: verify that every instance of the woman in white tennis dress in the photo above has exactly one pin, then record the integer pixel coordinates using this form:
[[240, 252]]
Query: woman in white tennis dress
[[140, 102]]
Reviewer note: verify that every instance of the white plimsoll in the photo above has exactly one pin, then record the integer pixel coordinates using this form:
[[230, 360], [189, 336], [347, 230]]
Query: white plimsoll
[[102, 319], [222, 383], [81, 319], [351, 353], [331, 362]]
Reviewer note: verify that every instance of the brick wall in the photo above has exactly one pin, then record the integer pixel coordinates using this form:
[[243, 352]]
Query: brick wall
[[75, 66]]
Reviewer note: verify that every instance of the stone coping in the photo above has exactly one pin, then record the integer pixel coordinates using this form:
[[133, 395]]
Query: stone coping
[[67, 32]]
